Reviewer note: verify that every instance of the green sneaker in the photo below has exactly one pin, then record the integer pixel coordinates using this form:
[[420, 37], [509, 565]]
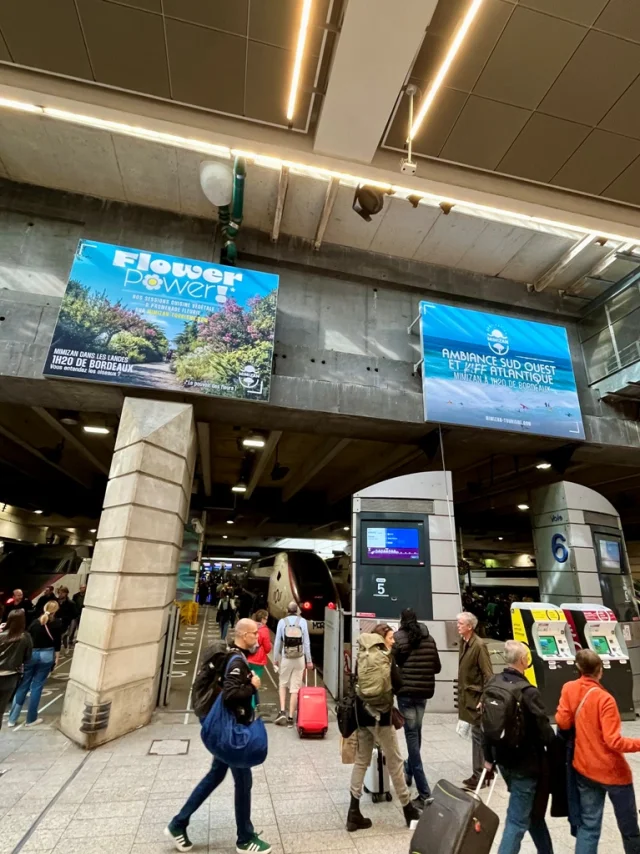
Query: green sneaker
[[179, 837], [256, 845]]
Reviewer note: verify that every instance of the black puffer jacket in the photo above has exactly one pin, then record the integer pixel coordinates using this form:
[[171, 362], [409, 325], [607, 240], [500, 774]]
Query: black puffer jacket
[[418, 664]]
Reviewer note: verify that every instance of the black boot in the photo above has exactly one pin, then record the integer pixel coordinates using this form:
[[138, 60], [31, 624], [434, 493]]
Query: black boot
[[411, 813], [355, 819]]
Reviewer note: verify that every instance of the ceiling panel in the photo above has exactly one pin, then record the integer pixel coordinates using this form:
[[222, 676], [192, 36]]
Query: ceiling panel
[[206, 67], [484, 34], [140, 163], [580, 11], [536, 256], [530, 41], [268, 74], [598, 162], [493, 250], [305, 199], [593, 80], [4, 50], [46, 35], [624, 117], [621, 18], [434, 132], [627, 186], [449, 239], [484, 132], [220, 14], [346, 228], [277, 23], [404, 228], [543, 146], [129, 67], [146, 5]]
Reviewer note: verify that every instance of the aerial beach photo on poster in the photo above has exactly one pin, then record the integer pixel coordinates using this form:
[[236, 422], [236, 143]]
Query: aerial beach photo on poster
[[139, 318], [491, 370]]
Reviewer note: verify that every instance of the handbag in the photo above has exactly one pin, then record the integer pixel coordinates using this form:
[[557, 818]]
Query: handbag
[[349, 749], [237, 745], [397, 718], [346, 715]]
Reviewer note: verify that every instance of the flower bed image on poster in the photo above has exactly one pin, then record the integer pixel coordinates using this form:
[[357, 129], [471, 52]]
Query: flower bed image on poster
[[491, 370], [132, 317]]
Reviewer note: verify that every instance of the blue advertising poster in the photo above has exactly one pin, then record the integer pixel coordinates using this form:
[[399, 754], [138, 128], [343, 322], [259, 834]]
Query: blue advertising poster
[[488, 370], [139, 318]]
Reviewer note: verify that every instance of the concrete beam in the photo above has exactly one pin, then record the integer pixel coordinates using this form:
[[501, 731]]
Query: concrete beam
[[375, 51], [562, 263], [283, 186], [262, 461], [384, 472], [327, 208], [70, 438], [327, 451], [204, 448]]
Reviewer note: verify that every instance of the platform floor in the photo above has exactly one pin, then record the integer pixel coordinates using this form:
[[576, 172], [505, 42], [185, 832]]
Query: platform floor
[[118, 799]]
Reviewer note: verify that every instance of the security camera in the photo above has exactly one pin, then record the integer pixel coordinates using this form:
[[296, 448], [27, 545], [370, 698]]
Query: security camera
[[408, 166]]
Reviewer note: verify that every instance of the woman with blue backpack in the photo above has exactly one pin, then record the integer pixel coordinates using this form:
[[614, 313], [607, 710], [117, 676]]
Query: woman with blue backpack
[[237, 739]]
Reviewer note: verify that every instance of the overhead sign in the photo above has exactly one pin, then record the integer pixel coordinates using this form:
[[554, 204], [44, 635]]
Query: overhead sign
[[138, 318], [489, 370]]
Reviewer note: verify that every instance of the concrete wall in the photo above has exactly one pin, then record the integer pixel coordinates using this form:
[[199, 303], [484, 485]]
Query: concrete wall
[[342, 345]]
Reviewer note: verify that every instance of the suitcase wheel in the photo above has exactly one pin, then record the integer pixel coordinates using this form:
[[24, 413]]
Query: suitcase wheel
[[389, 796], [366, 790], [377, 797]]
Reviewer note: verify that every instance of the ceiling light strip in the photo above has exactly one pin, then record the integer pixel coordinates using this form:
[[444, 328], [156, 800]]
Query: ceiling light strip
[[297, 65], [446, 65], [345, 179]]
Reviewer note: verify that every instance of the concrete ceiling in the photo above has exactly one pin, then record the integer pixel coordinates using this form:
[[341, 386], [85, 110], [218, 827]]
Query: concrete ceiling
[[546, 90], [42, 151]]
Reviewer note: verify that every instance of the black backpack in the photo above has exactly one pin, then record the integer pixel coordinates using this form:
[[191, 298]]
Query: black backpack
[[208, 682], [502, 712]]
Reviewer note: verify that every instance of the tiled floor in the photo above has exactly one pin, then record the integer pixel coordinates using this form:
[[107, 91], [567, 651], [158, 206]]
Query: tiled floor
[[118, 799]]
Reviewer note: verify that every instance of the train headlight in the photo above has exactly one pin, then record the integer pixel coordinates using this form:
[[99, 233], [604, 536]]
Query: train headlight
[[331, 606], [306, 606]]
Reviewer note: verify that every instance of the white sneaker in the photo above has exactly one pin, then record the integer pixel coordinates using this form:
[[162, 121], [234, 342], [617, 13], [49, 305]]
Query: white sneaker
[[10, 724], [36, 722]]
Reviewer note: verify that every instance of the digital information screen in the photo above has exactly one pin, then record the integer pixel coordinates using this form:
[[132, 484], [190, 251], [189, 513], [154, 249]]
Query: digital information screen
[[384, 544], [610, 556], [601, 645], [548, 645]]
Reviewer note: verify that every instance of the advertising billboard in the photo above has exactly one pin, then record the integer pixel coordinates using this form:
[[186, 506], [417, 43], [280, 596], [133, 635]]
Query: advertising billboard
[[146, 319], [489, 370]]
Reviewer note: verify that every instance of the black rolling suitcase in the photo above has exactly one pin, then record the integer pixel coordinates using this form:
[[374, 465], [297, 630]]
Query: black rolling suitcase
[[455, 821]]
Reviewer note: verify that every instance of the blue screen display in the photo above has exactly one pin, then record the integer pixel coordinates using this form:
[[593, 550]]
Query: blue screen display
[[393, 544]]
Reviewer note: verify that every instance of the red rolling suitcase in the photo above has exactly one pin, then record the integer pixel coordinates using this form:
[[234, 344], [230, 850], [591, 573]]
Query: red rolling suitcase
[[313, 715]]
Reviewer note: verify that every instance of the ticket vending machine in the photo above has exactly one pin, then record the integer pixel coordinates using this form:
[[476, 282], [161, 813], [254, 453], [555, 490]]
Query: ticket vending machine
[[596, 627], [544, 629]]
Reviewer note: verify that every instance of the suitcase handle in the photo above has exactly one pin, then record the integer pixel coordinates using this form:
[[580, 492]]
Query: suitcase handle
[[306, 675], [483, 777]]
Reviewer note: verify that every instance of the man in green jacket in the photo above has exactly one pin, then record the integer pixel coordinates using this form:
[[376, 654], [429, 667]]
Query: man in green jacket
[[474, 671]]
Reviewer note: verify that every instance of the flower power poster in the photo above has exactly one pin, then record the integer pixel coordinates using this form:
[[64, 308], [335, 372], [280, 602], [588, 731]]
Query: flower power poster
[[488, 370], [139, 318]]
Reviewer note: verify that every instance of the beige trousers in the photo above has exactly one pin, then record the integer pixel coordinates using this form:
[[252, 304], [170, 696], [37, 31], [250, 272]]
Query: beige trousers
[[385, 736]]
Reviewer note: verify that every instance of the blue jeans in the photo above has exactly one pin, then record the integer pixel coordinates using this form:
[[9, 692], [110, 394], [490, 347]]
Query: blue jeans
[[413, 713], [522, 793], [243, 782], [36, 671], [592, 797]]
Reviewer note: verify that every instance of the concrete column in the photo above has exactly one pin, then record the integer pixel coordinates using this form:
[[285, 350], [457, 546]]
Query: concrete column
[[133, 573]]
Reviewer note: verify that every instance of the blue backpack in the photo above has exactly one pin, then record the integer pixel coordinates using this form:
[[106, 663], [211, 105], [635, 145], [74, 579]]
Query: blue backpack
[[237, 745]]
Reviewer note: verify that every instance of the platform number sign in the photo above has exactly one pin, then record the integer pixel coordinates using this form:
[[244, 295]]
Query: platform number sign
[[559, 548]]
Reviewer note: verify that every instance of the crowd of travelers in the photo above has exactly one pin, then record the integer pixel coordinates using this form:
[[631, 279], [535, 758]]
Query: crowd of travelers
[[31, 640], [502, 715]]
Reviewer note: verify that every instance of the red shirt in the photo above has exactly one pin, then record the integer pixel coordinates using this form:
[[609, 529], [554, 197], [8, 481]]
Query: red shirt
[[259, 657], [600, 747]]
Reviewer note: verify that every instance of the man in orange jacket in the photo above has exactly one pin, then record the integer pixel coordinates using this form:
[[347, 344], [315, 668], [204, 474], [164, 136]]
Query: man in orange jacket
[[598, 760]]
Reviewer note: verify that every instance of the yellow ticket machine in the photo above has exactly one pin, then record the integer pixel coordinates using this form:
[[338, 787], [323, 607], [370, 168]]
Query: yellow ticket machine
[[544, 629], [596, 627]]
